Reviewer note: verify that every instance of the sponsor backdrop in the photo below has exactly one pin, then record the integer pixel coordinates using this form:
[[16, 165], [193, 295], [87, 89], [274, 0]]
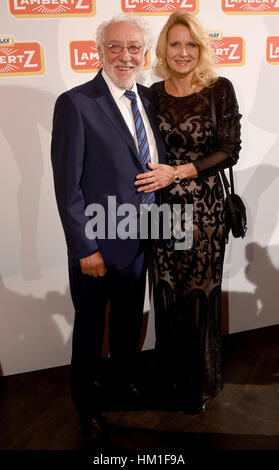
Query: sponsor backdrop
[[47, 46]]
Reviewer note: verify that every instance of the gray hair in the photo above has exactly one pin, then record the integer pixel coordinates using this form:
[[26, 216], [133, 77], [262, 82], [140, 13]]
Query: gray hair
[[100, 33]]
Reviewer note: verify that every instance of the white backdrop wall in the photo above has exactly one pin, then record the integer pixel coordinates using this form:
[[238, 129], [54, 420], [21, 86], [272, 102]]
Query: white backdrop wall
[[36, 65]]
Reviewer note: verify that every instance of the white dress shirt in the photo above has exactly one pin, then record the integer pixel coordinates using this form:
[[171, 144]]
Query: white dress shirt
[[124, 105]]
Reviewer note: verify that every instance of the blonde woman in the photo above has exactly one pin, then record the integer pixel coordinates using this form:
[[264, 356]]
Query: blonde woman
[[187, 284]]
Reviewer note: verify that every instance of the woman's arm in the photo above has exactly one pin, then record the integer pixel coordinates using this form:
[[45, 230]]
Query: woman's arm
[[225, 155]]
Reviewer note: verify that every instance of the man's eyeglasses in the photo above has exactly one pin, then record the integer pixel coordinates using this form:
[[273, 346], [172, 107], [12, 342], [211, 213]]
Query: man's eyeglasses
[[116, 48]]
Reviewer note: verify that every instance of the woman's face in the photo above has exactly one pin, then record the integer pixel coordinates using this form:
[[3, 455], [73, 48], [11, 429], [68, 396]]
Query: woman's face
[[182, 51]]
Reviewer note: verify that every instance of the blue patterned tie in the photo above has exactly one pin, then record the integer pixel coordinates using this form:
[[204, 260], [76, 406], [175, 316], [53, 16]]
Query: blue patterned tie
[[144, 152]]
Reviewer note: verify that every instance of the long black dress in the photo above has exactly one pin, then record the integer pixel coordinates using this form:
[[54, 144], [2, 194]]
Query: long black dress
[[187, 284]]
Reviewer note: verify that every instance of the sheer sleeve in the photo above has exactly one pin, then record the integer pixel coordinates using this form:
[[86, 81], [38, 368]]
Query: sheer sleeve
[[228, 131]]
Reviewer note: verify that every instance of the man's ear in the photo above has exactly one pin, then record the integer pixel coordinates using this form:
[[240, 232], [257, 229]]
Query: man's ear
[[145, 57]]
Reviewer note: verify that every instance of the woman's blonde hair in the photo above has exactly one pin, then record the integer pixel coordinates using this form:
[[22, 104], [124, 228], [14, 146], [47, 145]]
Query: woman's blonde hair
[[205, 73]]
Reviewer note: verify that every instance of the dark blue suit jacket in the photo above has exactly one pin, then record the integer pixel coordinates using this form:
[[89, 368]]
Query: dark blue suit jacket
[[94, 156]]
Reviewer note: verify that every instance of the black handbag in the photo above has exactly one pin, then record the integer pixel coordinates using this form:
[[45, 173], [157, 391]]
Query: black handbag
[[235, 210]]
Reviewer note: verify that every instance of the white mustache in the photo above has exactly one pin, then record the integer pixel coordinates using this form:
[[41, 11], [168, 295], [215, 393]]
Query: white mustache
[[124, 64]]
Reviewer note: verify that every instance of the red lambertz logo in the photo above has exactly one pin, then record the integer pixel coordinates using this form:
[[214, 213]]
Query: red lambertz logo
[[228, 51], [250, 7], [272, 50], [52, 8], [20, 58], [158, 7]]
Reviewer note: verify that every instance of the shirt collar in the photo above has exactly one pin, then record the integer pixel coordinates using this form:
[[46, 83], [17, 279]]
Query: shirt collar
[[116, 92]]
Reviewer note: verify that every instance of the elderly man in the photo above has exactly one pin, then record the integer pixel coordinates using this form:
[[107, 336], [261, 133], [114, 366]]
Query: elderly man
[[104, 134]]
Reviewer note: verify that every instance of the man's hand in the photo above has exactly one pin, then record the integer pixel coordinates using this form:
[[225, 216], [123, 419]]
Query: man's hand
[[93, 265]]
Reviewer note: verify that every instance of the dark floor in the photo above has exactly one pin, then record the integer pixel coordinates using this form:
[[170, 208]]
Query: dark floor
[[36, 412]]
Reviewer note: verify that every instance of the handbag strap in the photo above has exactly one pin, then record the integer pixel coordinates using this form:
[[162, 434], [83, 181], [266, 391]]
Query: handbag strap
[[214, 121]]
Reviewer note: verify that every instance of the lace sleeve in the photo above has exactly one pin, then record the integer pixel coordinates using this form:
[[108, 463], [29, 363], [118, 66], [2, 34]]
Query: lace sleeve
[[228, 131]]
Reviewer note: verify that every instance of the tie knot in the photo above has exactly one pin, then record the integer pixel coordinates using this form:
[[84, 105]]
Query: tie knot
[[131, 95]]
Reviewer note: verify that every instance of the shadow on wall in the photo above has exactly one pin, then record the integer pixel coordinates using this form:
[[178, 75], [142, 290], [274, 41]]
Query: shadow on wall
[[260, 191], [258, 308], [34, 332], [25, 109], [260, 195], [265, 276]]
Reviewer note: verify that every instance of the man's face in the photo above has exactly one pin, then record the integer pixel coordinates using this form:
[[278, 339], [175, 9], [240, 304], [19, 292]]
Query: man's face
[[124, 67]]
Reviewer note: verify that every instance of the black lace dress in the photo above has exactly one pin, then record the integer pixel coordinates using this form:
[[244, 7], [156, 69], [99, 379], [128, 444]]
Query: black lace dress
[[187, 284]]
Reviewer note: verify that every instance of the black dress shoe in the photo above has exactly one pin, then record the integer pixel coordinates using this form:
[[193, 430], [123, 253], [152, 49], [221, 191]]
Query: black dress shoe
[[165, 397], [132, 398], [196, 408], [133, 392], [94, 429], [205, 404]]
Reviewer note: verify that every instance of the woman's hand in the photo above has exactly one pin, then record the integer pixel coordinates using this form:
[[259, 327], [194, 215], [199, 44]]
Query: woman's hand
[[158, 177]]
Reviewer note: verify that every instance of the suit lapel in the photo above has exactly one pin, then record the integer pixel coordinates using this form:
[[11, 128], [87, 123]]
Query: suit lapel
[[105, 101]]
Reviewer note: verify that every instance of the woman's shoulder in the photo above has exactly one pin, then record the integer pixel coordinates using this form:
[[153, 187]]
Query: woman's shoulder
[[226, 96], [223, 84], [158, 87]]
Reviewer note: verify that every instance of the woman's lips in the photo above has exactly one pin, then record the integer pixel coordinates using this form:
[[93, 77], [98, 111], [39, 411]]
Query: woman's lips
[[183, 62]]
